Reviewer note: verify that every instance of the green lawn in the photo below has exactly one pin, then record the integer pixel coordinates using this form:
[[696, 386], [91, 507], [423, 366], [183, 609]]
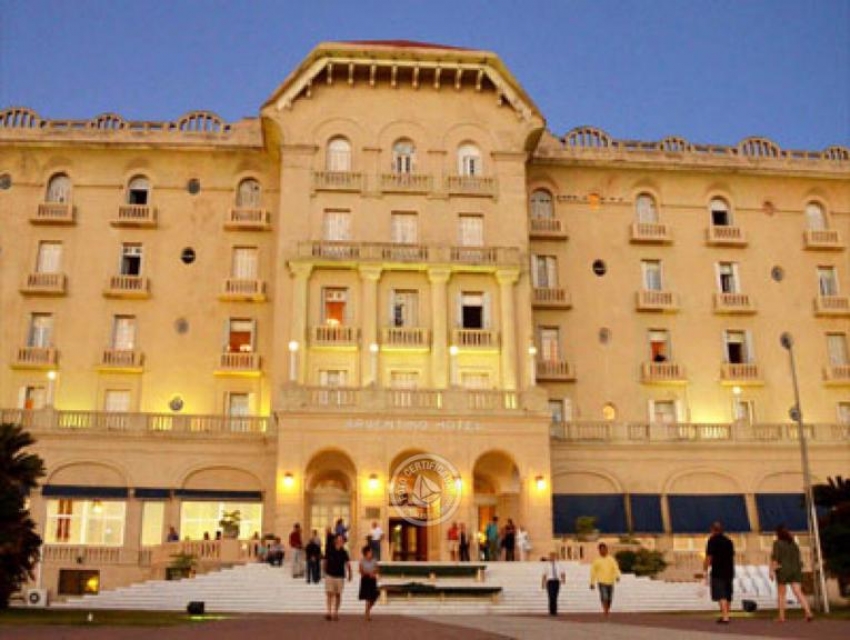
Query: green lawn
[[23, 616]]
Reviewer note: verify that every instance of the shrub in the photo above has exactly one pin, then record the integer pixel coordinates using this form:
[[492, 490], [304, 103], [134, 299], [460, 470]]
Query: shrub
[[643, 562]]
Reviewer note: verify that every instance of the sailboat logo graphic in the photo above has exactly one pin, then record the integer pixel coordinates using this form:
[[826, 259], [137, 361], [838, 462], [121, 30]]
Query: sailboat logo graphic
[[425, 489]]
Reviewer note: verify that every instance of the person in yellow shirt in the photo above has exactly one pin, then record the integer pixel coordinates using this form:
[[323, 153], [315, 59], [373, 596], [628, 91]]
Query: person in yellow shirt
[[604, 572]]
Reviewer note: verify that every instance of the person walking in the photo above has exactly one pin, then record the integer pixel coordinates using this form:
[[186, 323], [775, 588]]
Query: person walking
[[523, 543], [297, 546], [341, 530], [313, 551], [337, 569], [553, 577], [509, 541], [787, 569], [604, 572], [720, 558], [368, 580], [375, 537], [453, 536], [492, 533], [463, 543]]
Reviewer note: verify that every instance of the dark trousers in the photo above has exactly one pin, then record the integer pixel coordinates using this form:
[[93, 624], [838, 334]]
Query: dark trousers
[[314, 570], [375, 545], [464, 553], [553, 587]]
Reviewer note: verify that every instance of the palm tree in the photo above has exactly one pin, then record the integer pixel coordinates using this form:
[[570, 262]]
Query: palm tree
[[835, 528], [19, 543]]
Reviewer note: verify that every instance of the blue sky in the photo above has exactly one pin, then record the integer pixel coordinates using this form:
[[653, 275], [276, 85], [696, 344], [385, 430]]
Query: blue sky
[[709, 70]]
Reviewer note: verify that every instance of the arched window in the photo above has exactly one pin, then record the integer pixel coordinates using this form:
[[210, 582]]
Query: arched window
[[248, 194], [721, 215], [138, 190], [541, 204], [815, 217], [646, 209], [59, 188], [339, 155], [469, 160], [404, 156]]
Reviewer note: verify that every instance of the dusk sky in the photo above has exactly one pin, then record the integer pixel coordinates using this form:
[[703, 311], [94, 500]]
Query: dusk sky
[[712, 71]]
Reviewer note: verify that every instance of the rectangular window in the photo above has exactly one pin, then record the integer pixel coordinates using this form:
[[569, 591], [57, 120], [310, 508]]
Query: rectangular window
[[199, 518], [663, 411], [131, 259], [240, 335], [843, 410], [651, 270], [727, 277], [737, 347], [334, 306], [40, 331], [544, 272], [646, 211], [472, 310], [244, 263], [659, 345], [471, 230], [827, 281], [32, 397], [405, 308], [743, 411], [49, 257], [404, 228], [94, 522], [556, 410], [404, 379], [124, 333], [333, 378], [116, 401], [836, 344], [475, 380], [153, 523], [238, 404], [336, 226], [550, 344]]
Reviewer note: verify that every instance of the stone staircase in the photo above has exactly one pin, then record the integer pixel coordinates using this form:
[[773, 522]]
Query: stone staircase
[[261, 588]]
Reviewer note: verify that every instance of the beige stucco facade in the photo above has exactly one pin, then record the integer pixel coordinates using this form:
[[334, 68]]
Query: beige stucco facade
[[395, 258]]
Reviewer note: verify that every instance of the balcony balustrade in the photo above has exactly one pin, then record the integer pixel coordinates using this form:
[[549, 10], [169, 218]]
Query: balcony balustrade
[[733, 303], [661, 372], [554, 370], [44, 284], [54, 213], [650, 233], [414, 398], [654, 300], [837, 374], [458, 185], [236, 361], [835, 306], [726, 235], [740, 373], [330, 335], [823, 239], [338, 181], [475, 338], [135, 215], [128, 359], [406, 337], [546, 228], [405, 183], [242, 219], [36, 358], [552, 298], [127, 287], [242, 289]]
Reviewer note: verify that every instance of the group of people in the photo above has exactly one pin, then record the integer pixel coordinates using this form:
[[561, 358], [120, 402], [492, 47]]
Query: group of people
[[604, 573], [502, 543]]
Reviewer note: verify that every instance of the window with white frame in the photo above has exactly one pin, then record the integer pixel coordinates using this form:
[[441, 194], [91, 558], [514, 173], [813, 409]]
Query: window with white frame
[[475, 380], [659, 346], [338, 155], [404, 228], [123, 333], [49, 257], [336, 225], [474, 311], [737, 345], [727, 277], [58, 189], [241, 334], [85, 522], [843, 413], [544, 272], [404, 308], [32, 397], [333, 377], [404, 157], [743, 411], [815, 217], [138, 191], [556, 411], [248, 194], [404, 379], [238, 404], [721, 214], [335, 307], [645, 209], [663, 411], [131, 259], [40, 334], [469, 160], [116, 401], [541, 204], [827, 281], [550, 344], [651, 272], [243, 265], [198, 518], [153, 522], [836, 344], [471, 230]]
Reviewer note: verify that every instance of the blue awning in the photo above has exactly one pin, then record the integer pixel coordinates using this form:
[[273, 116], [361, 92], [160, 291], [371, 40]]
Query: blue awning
[[608, 508], [696, 513], [213, 494], [151, 493], [82, 491], [782, 508], [646, 513]]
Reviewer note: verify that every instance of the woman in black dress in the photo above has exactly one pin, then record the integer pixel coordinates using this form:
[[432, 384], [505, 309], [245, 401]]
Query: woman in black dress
[[368, 580]]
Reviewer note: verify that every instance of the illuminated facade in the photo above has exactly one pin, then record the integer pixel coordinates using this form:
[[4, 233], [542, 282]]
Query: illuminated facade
[[396, 257]]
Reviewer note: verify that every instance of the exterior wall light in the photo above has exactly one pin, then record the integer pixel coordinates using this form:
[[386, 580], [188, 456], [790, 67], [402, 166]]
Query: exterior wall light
[[373, 481], [540, 483], [288, 480]]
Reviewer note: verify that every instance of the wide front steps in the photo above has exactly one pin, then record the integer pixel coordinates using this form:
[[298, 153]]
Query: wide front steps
[[261, 588]]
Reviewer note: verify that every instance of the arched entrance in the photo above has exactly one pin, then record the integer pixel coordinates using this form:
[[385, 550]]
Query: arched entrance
[[330, 491], [496, 489], [408, 537]]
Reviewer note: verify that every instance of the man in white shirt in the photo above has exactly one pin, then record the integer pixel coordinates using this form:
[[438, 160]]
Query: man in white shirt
[[553, 577], [375, 537]]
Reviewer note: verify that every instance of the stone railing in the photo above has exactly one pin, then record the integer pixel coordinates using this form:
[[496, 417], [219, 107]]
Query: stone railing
[[127, 287], [405, 182], [662, 372], [832, 305], [823, 239], [643, 432], [40, 283], [334, 334], [725, 235], [247, 219], [552, 298], [475, 338], [554, 370], [122, 359], [740, 372], [654, 300], [239, 361], [36, 357], [411, 253], [837, 373], [54, 213], [243, 289], [135, 215], [337, 181], [79, 554], [400, 337], [546, 228], [650, 232], [471, 185], [733, 303], [135, 423], [207, 552]]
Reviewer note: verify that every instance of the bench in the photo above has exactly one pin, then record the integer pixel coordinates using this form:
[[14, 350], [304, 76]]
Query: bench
[[432, 571], [411, 589]]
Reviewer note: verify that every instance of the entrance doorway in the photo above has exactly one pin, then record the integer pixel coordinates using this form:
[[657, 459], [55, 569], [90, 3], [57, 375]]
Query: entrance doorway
[[408, 542]]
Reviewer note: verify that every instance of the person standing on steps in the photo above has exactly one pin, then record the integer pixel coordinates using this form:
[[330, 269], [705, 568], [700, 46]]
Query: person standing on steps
[[787, 569], [337, 569], [553, 577], [313, 551], [368, 580], [492, 533], [297, 546], [720, 558], [463, 543], [453, 537], [604, 572], [375, 537]]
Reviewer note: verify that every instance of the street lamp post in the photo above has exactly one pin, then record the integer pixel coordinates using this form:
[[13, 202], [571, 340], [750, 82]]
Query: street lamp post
[[796, 413], [293, 361]]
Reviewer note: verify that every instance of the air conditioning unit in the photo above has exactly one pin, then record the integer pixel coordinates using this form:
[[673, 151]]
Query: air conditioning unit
[[37, 598]]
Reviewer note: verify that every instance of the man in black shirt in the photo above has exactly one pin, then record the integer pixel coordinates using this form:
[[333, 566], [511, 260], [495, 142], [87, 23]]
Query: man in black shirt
[[720, 556], [337, 569]]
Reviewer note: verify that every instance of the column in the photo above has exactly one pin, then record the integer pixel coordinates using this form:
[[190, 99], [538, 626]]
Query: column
[[369, 276], [301, 274], [506, 279], [439, 278]]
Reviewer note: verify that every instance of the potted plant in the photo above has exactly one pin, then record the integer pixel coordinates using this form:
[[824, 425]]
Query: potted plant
[[229, 523], [182, 565], [586, 530]]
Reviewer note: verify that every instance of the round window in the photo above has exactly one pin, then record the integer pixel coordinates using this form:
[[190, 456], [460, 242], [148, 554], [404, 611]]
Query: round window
[[5, 181], [777, 273], [176, 403], [599, 267], [193, 186], [181, 325], [187, 255], [609, 412], [604, 335]]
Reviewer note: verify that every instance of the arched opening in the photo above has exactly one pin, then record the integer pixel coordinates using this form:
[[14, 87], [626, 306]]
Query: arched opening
[[248, 194], [721, 215], [338, 155], [645, 208], [496, 490], [409, 530], [330, 480], [404, 156], [815, 217], [58, 189], [469, 160], [138, 191], [540, 204]]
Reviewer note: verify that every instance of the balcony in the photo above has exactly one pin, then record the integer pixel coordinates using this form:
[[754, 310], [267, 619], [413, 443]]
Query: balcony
[[334, 335], [53, 213], [837, 374], [733, 303], [36, 358], [746, 373], [832, 306], [828, 239], [127, 287], [242, 290], [44, 284], [662, 372], [122, 359], [457, 185], [135, 215], [654, 300], [554, 371], [650, 233], [479, 258], [241, 219], [405, 183], [406, 338], [726, 236], [552, 298], [475, 339], [485, 256], [246, 362], [546, 229], [337, 181]]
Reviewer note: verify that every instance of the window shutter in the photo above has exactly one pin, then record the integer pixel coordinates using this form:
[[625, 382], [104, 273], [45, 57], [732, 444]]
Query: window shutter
[[486, 312], [253, 334], [736, 279], [749, 347], [551, 271]]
